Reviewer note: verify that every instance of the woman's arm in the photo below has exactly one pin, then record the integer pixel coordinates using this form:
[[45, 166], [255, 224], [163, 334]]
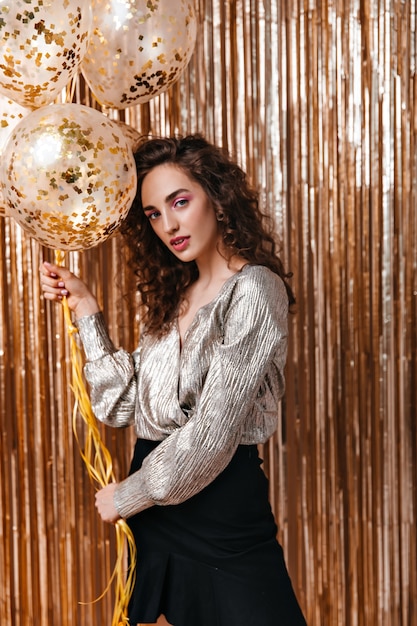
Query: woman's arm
[[109, 372]]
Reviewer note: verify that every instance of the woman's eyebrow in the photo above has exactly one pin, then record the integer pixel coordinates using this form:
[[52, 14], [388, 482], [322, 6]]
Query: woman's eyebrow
[[172, 195], [168, 198]]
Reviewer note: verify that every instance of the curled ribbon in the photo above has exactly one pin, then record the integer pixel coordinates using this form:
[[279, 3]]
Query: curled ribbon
[[99, 466]]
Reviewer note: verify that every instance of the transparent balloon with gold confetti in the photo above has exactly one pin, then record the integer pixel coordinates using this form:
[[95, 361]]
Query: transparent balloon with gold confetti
[[42, 45], [68, 176], [10, 115], [138, 49]]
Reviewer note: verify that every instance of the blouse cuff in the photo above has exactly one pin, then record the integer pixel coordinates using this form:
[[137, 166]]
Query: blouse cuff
[[94, 336], [128, 498]]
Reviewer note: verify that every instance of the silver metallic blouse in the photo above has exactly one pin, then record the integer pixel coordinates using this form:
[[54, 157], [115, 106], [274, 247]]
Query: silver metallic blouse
[[201, 400]]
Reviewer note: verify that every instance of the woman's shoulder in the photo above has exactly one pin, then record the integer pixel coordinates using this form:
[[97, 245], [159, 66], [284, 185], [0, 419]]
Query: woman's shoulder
[[259, 278], [254, 291], [256, 303]]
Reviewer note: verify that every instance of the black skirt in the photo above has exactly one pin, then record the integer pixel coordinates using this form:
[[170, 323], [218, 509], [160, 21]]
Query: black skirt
[[214, 559]]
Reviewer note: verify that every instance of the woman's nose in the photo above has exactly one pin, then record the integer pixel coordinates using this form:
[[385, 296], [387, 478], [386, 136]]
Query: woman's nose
[[170, 222]]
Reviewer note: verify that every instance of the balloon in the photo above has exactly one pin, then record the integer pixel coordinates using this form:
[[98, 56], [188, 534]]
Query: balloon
[[10, 115], [3, 207], [133, 137], [42, 45], [68, 176], [137, 49]]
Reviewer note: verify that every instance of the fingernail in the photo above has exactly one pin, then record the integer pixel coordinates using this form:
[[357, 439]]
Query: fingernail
[[65, 292], [61, 284]]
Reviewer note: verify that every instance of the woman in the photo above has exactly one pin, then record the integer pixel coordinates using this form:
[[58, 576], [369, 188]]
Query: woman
[[202, 390]]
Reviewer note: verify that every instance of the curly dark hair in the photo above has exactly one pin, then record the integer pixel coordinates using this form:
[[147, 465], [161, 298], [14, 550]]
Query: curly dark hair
[[162, 278]]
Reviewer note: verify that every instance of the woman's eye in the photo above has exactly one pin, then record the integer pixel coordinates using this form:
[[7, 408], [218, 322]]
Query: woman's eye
[[153, 215], [180, 202]]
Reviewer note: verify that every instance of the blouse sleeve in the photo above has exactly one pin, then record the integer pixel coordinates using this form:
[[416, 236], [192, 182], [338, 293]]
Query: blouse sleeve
[[255, 339], [111, 373]]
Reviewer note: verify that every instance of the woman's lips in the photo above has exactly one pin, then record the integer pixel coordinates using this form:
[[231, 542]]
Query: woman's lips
[[179, 243]]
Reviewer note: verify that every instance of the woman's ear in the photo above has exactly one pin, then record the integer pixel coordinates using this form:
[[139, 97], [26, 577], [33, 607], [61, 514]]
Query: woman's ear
[[218, 212]]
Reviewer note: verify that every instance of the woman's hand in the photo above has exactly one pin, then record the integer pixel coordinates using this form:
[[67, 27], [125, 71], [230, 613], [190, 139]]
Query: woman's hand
[[57, 282], [105, 504]]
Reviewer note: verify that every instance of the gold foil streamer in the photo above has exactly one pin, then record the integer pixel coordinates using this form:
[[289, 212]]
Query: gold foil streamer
[[318, 101]]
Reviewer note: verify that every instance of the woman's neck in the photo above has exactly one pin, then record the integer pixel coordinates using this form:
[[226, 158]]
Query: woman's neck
[[205, 289]]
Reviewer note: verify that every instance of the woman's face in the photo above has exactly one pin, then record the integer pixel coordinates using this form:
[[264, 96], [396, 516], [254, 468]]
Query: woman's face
[[180, 213]]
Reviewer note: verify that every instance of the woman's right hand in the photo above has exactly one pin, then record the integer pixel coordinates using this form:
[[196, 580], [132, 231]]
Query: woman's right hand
[[58, 282]]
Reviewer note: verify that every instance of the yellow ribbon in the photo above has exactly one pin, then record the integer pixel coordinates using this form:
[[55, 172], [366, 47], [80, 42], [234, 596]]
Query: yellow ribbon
[[99, 466]]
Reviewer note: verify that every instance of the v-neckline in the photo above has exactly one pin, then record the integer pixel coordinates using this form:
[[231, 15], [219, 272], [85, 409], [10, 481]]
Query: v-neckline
[[182, 338]]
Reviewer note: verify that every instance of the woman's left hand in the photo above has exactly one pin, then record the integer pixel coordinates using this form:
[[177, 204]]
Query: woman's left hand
[[105, 504]]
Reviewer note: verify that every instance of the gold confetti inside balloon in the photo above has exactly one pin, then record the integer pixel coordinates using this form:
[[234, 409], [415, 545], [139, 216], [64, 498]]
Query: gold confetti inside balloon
[[68, 176], [133, 137], [3, 207], [10, 115], [42, 45], [138, 49]]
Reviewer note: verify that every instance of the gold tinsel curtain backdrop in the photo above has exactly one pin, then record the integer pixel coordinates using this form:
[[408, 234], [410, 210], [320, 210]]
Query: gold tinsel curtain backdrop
[[318, 102]]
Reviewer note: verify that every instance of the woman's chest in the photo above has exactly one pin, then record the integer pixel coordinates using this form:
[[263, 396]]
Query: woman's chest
[[171, 368]]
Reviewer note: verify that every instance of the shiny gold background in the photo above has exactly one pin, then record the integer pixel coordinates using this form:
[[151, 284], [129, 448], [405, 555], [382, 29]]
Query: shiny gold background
[[318, 102]]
